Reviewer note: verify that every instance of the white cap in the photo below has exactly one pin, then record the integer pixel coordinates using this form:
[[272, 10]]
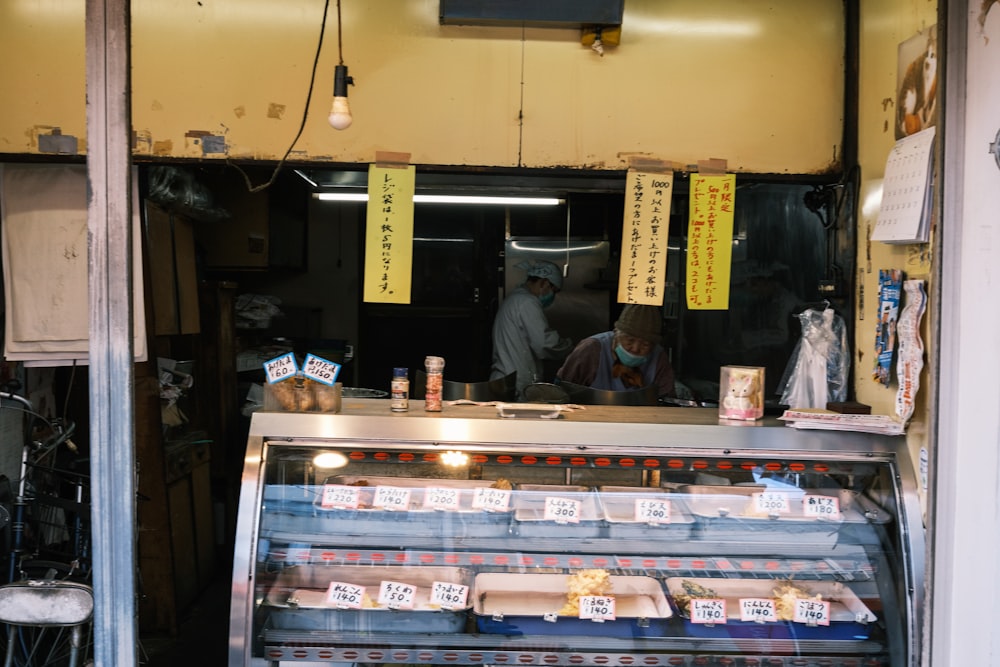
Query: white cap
[[542, 269]]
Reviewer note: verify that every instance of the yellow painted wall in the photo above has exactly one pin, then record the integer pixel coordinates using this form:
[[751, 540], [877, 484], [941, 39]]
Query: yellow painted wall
[[884, 25], [757, 82]]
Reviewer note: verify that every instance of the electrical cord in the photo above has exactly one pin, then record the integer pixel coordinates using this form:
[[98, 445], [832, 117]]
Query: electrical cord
[[305, 112]]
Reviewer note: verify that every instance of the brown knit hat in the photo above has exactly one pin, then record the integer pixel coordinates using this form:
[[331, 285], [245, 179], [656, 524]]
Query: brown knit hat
[[641, 321]]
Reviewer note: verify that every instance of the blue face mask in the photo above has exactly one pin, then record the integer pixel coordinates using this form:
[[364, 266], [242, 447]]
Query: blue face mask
[[547, 299], [629, 359]]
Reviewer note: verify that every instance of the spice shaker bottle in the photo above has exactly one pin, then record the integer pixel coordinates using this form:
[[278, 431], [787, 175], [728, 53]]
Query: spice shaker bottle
[[434, 367], [400, 390]]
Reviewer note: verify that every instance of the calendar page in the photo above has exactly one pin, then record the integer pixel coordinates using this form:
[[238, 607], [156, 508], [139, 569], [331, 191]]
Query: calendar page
[[904, 216]]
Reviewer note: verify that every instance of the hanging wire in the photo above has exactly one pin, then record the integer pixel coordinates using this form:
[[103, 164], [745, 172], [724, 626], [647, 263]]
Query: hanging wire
[[305, 112]]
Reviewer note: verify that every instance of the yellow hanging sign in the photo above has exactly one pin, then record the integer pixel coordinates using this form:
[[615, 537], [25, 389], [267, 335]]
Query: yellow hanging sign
[[710, 241], [643, 268], [389, 234]]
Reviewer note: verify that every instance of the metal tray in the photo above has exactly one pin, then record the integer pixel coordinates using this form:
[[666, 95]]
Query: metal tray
[[850, 618], [728, 513], [297, 600], [618, 510], [529, 511], [528, 604]]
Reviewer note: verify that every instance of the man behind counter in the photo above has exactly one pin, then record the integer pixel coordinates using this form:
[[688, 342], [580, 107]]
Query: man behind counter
[[628, 357]]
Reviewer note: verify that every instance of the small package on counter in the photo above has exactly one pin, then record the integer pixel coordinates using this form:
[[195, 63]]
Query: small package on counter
[[741, 392], [298, 394]]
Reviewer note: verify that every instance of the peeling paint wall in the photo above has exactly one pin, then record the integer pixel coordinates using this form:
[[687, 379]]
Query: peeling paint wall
[[758, 83]]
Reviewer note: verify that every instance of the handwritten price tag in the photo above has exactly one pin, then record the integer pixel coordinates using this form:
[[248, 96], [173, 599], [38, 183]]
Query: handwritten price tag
[[758, 610], [771, 502], [821, 507], [396, 595], [449, 596], [652, 510], [281, 368], [812, 612], [598, 608], [391, 498], [345, 596], [708, 610], [339, 496], [441, 498], [491, 500], [320, 370], [562, 510]]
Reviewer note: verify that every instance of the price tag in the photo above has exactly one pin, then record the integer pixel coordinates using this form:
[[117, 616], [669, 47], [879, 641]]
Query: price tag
[[339, 496], [562, 510], [391, 498], [489, 499], [321, 370], [649, 510], [771, 502], [821, 507], [396, 595], [281, 368], [441, 498], [758, 610], [812, 612], [449, 596], [345, 596], [708, 610], [598, 608]]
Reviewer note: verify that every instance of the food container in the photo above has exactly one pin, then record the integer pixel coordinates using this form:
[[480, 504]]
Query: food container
[[528, 410], [850, 618], [529, 511], [299, 395], [618, 509], [460, 520], [298, 599], [529, 604], [731, 513]]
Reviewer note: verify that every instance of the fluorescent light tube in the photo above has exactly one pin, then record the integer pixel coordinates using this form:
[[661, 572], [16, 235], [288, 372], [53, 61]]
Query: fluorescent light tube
[[450, 199]]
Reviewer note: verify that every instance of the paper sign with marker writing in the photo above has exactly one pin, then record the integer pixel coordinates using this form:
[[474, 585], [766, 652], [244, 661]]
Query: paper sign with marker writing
[[389, 234], [710, 241], [642, 275]]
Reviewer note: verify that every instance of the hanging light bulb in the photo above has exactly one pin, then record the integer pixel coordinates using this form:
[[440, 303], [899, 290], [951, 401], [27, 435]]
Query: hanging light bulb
[[340, 113]]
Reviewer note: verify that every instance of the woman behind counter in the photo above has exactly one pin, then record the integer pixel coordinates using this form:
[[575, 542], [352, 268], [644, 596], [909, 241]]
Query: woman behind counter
[[628, 357]]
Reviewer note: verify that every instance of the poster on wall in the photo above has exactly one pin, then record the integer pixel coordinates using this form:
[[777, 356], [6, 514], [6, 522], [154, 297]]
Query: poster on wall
[[643, 271], [916, 83]]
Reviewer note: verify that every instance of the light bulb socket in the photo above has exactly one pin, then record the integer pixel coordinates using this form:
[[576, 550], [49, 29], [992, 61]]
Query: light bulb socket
[[341, 80]]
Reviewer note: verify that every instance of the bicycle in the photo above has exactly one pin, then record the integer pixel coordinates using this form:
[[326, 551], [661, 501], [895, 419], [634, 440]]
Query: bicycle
[[47, 600]]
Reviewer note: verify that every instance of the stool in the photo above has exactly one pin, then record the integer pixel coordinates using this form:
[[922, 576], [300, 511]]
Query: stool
[[46, 603]]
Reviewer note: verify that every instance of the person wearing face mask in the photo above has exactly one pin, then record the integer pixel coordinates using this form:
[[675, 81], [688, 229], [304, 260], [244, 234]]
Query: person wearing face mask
[[628, 357], [522, 338]]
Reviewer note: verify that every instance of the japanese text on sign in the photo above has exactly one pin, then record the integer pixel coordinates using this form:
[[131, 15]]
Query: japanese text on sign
[[598, 608], [821, 507], [389, 234], [652, 511], [441, 498], [710, 241], [645, 228], [771, 502], [708, 610], [320, 370], [340, 496], [812, 612], [562, 510], [281, 368], [391, 498], [396, 595], [491, 500], [344, 595], [758, 610], [448, 595]]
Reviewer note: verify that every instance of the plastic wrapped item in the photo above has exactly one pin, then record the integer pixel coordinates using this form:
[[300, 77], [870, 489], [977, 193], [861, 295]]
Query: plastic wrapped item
[[818, 368], [435, 383]]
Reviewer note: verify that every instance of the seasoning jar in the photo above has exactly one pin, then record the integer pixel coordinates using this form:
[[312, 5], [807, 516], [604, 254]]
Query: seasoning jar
[[399, 390], [434, 366]]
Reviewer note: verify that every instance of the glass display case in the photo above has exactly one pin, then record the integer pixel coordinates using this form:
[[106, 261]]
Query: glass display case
[[603, 536]]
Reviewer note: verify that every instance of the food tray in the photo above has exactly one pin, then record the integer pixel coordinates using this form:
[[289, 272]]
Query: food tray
[[850, 618], [529, 511], [518, 604], [528, 410], [618, 510], [728, 513], [466, 521], [297, 600]]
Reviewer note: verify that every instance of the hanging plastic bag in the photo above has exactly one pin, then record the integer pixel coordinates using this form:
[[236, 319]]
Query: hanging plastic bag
[[817, 370]]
